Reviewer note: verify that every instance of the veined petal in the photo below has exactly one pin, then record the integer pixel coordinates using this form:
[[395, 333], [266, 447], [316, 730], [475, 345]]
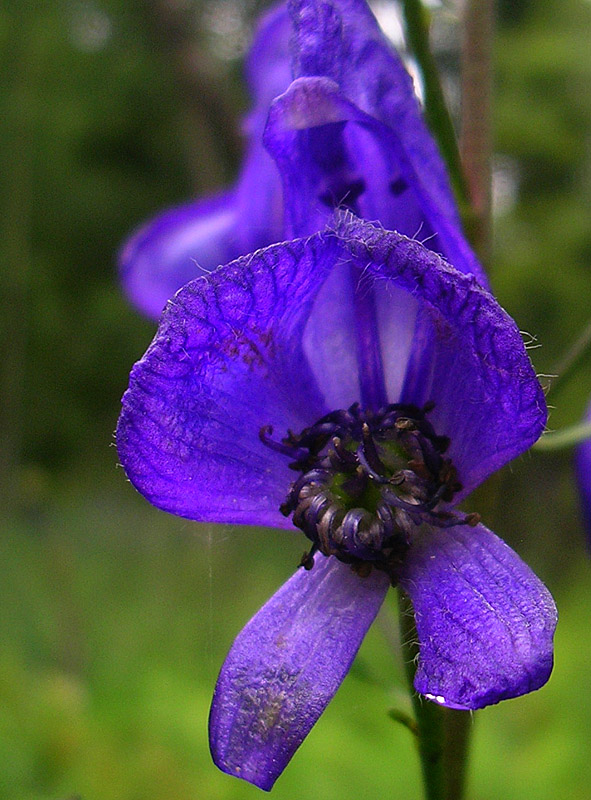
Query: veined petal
[[485, 622], [341, 40], [472, 365], [226, 361], [286, 665]]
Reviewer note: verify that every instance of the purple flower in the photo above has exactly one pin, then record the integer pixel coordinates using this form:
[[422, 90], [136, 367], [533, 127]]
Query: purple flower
[[348, 131], [353, 384]]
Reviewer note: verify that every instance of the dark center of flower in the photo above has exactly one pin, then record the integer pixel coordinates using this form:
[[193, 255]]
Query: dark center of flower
[[367, 481]]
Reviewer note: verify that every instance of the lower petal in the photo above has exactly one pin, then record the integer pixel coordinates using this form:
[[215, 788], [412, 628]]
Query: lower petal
[[485, 622], [286, 665]]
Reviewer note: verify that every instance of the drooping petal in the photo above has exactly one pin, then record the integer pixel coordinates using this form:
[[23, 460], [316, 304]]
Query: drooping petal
[[184, 242], [583, 472], [473, 364], [286, 665], [341, 40], [485, 622], [226, 361]]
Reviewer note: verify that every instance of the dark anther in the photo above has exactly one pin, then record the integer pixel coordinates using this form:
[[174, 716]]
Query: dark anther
[[367, 481], [307, 560], [442, 443], [419, 468], [398, 186], [283, 447], [370, 452], [346, 459], [362, 568], [368, 469]]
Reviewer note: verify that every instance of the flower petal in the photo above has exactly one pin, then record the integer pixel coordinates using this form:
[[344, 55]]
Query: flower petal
[[268, 64], [235, 352], [472, 365], [286, 665], [485, 622], [226, 361]]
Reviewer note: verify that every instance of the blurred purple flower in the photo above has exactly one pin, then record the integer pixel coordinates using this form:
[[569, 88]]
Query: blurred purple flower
[[347, 131], [275, 341]]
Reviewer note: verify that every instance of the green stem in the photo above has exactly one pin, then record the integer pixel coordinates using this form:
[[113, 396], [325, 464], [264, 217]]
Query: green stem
[[567, 437], [442, 733], [457, 729], [428, 716], [416, 20]]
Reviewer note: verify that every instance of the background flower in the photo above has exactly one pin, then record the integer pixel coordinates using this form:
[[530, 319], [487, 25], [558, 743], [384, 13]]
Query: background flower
[[348, 131]]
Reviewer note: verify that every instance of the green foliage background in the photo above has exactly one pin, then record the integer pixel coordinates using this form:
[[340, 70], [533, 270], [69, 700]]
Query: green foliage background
[[115, 617]]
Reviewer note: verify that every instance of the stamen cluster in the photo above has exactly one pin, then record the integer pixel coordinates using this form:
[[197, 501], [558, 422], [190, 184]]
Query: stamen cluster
[[367, 480]]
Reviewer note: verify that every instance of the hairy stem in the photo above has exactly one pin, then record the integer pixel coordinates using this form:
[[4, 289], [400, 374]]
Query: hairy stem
[[564, 438]]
